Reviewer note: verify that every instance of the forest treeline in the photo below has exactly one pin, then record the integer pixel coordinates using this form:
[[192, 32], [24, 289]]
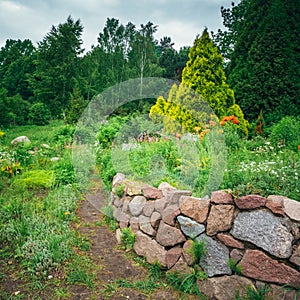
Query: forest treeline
[[57, 79]]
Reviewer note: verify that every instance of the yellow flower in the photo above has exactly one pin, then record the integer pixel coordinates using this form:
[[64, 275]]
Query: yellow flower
[[2, 133]]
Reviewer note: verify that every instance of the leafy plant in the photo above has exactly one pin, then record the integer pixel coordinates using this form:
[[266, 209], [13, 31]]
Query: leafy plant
[[119, 190], [127, 238], [254, 294], [234, 266], [35, 179]]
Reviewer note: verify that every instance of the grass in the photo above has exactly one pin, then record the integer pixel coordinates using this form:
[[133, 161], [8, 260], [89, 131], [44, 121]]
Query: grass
[[37, 207]]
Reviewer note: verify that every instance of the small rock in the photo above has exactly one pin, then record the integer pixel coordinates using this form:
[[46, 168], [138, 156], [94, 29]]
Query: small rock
[[221, 197], [292, 209], [136, 205], [189, 227], [54, 159], [187, 252], [46, 146], [295, 258], [20, 139], [148, 208], [250, 202], [275, 204], [236, 255], [230, 241], [145, 226], [172, 256], [118, 236], [168, 235], [118, 179], [134, 224], [155, 219]]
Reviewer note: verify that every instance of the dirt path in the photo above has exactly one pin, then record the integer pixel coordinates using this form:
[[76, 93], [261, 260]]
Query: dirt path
[[109, 260]]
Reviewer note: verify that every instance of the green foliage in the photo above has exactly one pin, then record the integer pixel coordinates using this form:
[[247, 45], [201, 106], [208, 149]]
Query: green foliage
[[77, 105], [119, 190], [286, 132], [80, 271], [39, 114], [35, 179], [265, 49], [127, 238], [254, 294], [198, 250], [234, 266]]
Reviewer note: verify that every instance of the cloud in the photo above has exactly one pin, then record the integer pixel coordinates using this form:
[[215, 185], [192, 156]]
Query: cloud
[[180, 19]]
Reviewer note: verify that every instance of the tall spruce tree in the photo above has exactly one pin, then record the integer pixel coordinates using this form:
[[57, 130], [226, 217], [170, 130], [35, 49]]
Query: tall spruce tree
[[264, 67], [203, 73], [57, 66]]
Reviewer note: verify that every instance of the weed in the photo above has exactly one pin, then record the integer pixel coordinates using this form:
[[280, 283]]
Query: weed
[[234, 266], [80, 272], [127, 239], [254, 294], [119, 190]]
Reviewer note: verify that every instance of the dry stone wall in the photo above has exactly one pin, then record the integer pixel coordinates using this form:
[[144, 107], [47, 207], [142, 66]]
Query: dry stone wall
[[261, 234]]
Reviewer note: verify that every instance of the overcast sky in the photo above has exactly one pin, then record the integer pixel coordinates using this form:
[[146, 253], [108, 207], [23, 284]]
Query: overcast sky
[[182, 20]]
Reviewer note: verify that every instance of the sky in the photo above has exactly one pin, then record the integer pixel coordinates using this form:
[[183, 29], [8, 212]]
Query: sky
[[182, 20]]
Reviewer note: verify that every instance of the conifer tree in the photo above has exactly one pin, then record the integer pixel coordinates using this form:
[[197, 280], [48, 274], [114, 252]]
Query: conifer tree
[[205, 75]]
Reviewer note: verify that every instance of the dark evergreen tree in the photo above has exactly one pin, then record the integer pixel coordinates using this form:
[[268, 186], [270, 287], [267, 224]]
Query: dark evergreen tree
[[264, 67], [57, 66]]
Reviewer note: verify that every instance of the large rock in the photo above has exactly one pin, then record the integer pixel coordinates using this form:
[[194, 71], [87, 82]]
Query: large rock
[[151, 192], [145, 225], [136, 205], [230, 241], [20, 139], [145, 246], [221, 197], [292, 209], [133, 188], [216, 257], [220, 218], [168, 235], [275, 204], [194, 208], [225, 287], [264, 230], [189, 227], [255, 264], [250, 202], [170, 213]]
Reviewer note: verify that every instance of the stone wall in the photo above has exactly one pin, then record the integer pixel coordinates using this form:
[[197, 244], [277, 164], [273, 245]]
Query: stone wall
[[262, 234]]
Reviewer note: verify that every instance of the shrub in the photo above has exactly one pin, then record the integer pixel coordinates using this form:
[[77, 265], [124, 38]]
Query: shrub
[[127, 238], [39, 114], [35, 179], [287, 132]]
